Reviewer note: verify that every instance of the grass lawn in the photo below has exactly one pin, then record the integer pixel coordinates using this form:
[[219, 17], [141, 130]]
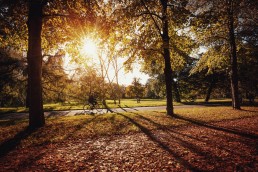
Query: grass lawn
[[75, 105], [59, 129], [124, 103], [143, 103]]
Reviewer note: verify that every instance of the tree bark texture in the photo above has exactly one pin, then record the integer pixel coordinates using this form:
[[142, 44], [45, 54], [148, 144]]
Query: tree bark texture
[[233, 56], [27, 96], [166, 55], [36, 114]]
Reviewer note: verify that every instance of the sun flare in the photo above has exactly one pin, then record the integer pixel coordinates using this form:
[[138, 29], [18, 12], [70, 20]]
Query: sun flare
[[89, 47]]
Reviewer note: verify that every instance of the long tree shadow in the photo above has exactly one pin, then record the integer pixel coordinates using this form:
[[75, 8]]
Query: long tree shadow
[[188, 145], [12, 143], [150, 135], [248, 110], [131, 108], [56, 114], [122, 108], [219, 128]]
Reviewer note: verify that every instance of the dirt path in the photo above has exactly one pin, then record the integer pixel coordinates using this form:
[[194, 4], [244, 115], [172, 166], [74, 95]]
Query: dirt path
[[230, 145]]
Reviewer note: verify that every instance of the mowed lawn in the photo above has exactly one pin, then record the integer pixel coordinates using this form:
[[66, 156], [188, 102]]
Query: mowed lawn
[[124, 103], [76, 105]]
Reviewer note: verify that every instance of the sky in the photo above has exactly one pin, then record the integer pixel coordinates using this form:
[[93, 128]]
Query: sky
[[127, 78], [124, 78], [89, 53]]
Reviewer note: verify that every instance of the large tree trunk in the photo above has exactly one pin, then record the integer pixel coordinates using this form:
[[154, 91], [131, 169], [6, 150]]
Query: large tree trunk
[[233, 56], [36, 114], [167, 70]]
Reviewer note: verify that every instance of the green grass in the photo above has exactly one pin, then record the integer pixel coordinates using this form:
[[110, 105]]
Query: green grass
[[75, 105], [143, 103], [12, 109], [110, 103], [60, 129]]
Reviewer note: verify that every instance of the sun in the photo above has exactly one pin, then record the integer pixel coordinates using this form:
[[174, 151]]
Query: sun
[[89, 47]]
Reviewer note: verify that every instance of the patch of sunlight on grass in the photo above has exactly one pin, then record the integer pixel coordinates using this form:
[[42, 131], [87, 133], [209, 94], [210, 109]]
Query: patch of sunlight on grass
[[62, 106], [216, 113], [12, 109], [143, 103]]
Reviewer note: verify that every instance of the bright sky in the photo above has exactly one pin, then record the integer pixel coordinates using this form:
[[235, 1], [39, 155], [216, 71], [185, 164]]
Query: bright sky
[[127, 78], [89, 48]]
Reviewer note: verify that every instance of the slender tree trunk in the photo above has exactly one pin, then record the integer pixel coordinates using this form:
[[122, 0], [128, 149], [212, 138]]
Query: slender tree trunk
[[118, 91], [233, 56], [208, 94], [36, 114], [167, 70]]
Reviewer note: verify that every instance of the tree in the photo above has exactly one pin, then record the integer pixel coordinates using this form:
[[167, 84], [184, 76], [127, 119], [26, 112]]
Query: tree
[[55, 80], [12, 79], [35, 17], [155, 87], [152, 35], [90, 82], [210, 21], [167, 69], [233, 55], [137, 88]]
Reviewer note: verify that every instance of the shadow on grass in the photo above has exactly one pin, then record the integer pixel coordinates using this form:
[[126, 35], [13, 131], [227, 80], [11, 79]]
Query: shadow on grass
[[248, 110], [210, 104], [218, 128], [128, 107], [131, 108], [56, 114], [219, 103], [7, 122], [12, 143], [122, 108]]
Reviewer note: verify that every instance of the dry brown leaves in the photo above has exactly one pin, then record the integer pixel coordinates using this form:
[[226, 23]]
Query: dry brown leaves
[[223, 146]]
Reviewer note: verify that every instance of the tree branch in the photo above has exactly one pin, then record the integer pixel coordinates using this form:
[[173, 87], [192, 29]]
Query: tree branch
[[148, 13], [155, 22], [55, 15]]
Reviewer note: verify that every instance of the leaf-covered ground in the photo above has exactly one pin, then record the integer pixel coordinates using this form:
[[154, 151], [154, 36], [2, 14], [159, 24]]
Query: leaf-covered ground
[[210, 139]]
